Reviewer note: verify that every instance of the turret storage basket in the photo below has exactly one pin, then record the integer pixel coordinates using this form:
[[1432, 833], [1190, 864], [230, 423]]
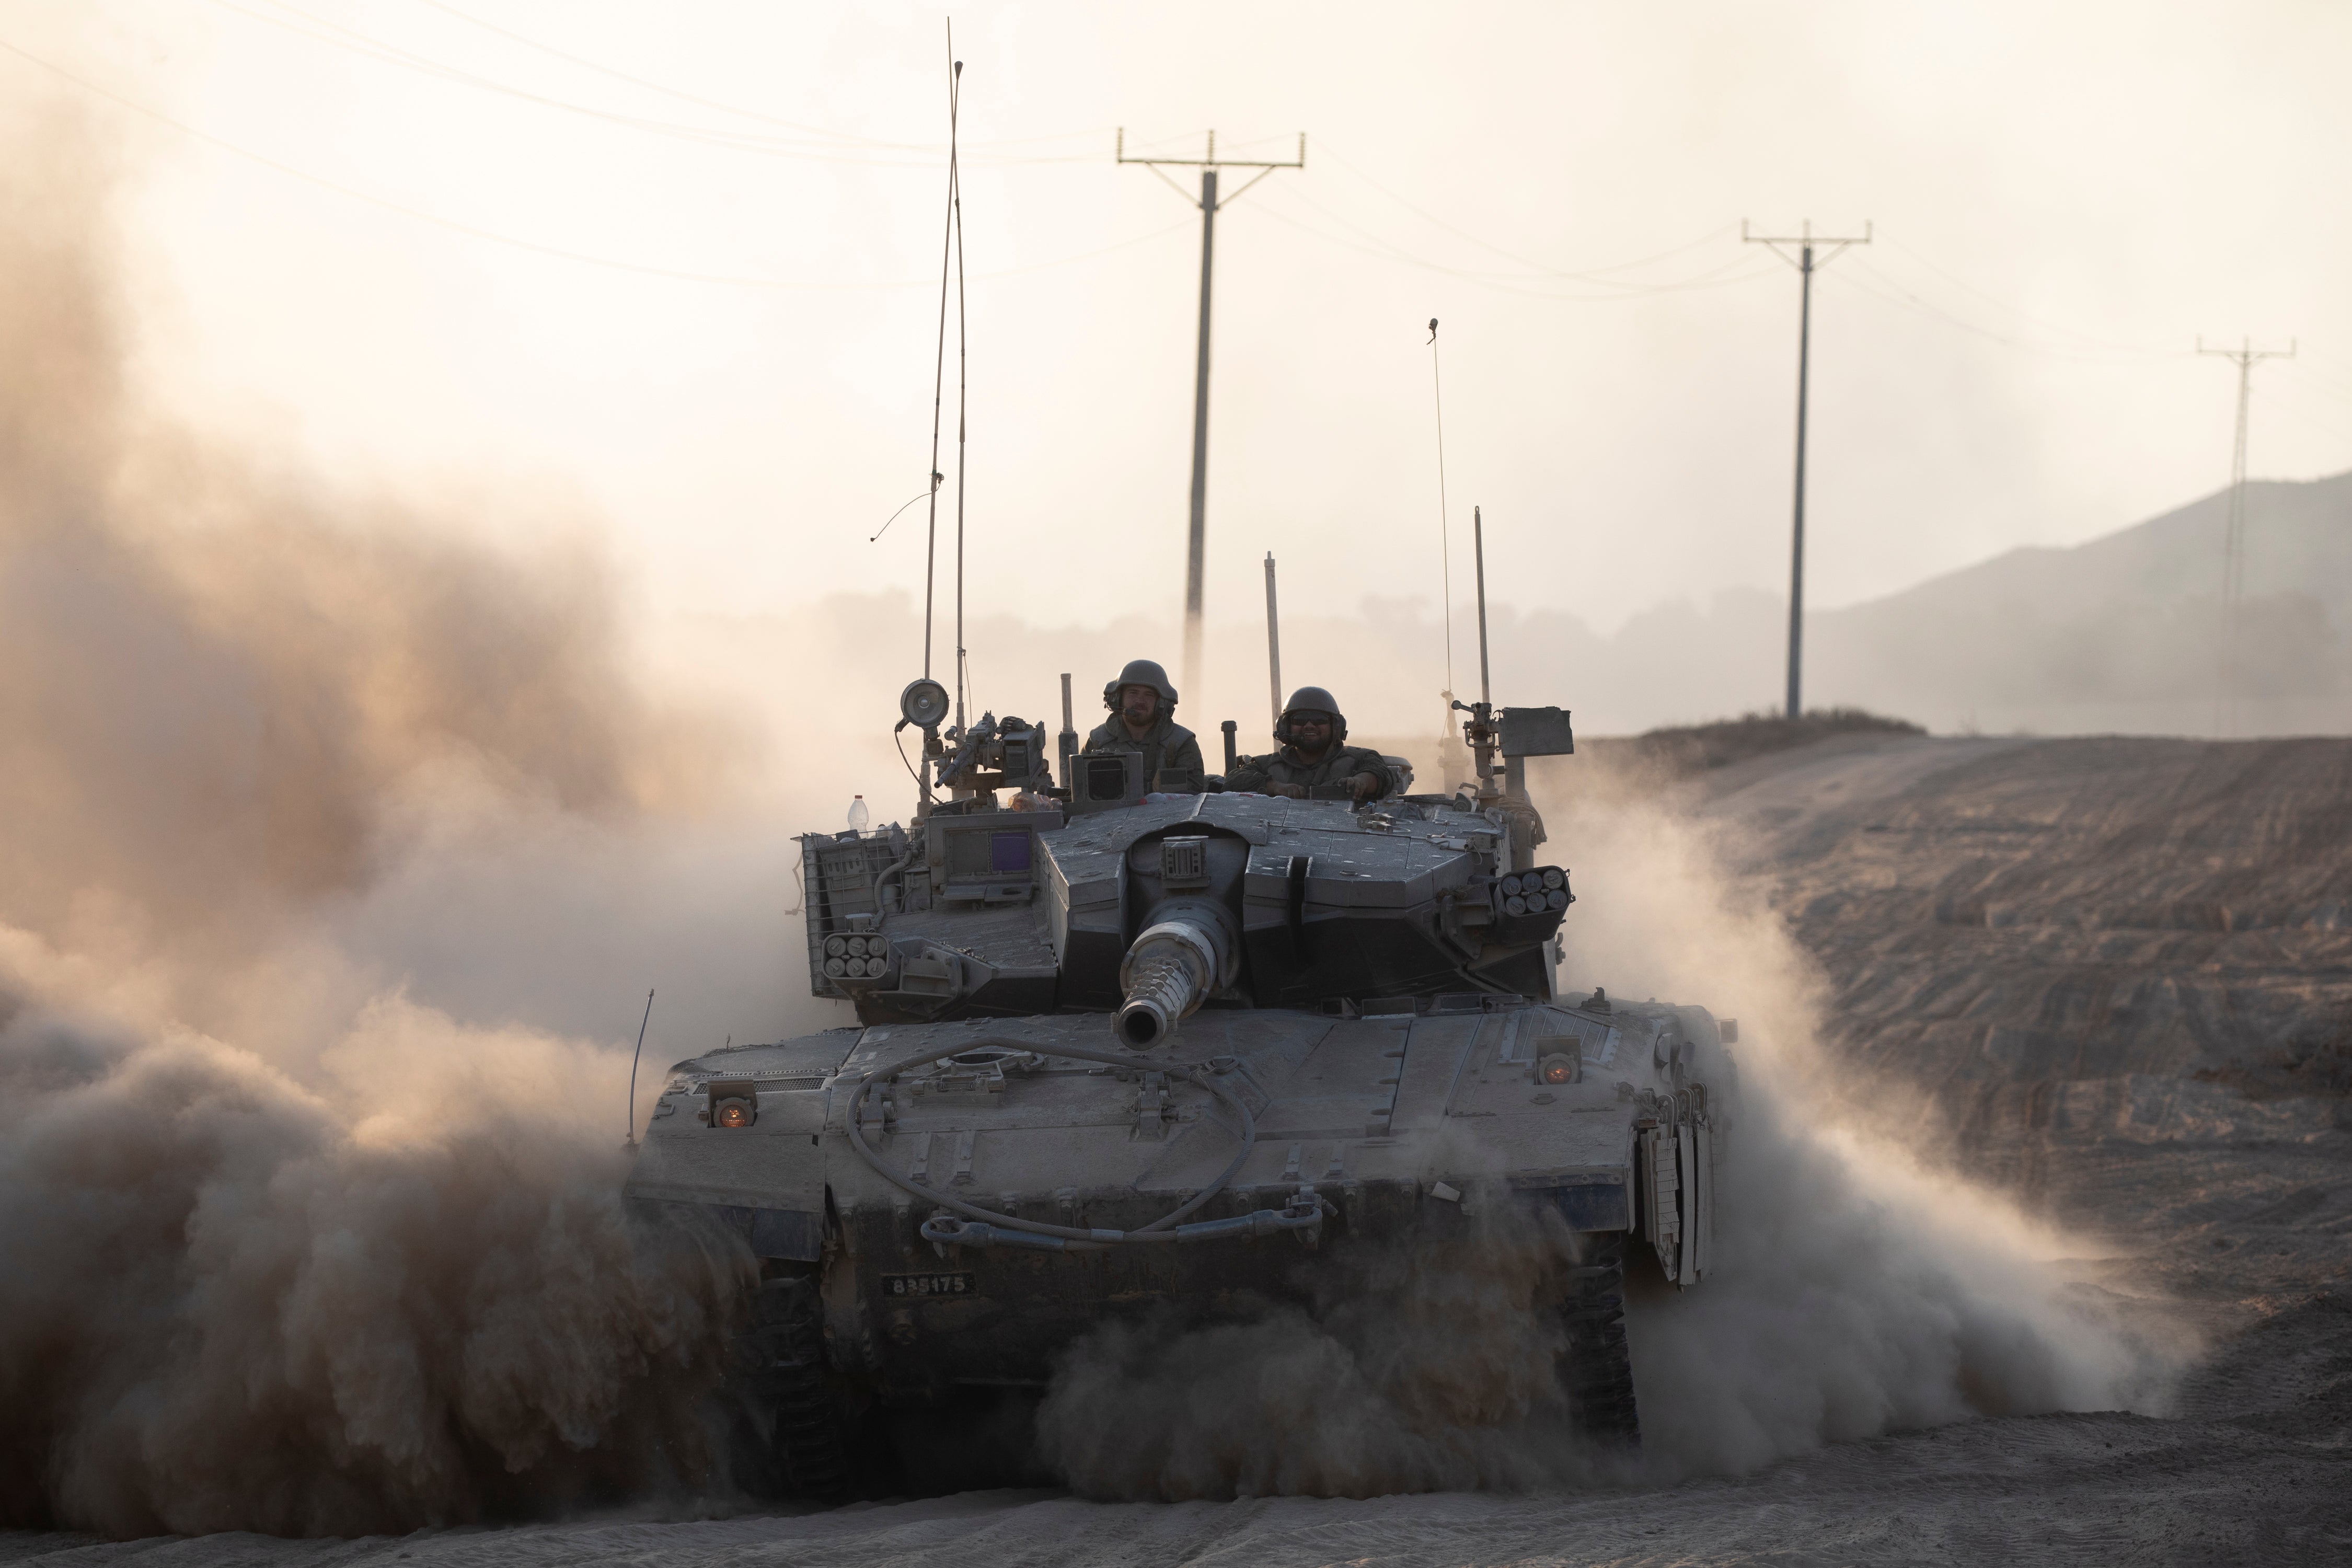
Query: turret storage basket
[[840, 873]]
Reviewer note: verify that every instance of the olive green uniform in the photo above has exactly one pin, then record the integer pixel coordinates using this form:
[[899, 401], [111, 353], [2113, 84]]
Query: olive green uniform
[[1339, 765], [1168, 745]]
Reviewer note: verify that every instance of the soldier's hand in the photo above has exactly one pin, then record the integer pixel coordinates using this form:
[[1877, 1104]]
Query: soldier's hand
[[1287, 791], [1363, 786]]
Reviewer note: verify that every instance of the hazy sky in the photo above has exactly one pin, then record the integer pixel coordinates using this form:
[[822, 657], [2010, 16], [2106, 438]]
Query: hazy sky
[[2065, 196]]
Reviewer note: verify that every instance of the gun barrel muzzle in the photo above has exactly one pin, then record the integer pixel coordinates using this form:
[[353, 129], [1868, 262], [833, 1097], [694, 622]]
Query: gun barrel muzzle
[[1175, 963]]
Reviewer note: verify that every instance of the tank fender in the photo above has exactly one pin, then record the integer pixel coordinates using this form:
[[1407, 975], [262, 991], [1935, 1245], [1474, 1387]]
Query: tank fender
[[764, 1179]]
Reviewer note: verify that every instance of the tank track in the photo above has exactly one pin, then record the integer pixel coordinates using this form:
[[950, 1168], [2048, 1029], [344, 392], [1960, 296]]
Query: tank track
[[1596, 1372], [792, 1429]]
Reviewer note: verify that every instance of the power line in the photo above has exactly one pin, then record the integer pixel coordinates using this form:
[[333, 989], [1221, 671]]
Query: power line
[[835, 147], [1196, 541], [2087, 340], [1384, 252], [2245, 356], [1591, 275], [1903, 299], [1398, 253], [323, 31], [1385, 249], [534, 247], [2341, 392], [601, 69], [1805, 265]]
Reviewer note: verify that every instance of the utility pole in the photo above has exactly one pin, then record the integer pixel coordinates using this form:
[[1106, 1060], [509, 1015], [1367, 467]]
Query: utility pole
[[2233, 538], [1196, 547], [1805, 265]]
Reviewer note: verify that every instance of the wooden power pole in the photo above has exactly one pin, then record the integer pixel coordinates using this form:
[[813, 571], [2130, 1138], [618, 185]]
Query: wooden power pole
[[1805, 265], [1196, 546]]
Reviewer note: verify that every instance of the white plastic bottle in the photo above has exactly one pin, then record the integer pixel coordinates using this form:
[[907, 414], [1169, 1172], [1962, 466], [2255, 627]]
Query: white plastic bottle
[[858, 815]]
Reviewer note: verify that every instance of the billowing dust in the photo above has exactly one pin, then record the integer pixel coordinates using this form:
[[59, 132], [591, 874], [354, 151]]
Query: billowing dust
[[310, 1141], [1854, 1292], [1414, 1374], [237, 1303], [286, 1249]]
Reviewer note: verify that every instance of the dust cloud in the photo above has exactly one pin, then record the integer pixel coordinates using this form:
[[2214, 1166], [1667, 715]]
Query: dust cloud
[[1857, 1292], [1866, 1286], [237, 1304], [1414, 1374], [289, 1246], [331, 830], [219, 678]]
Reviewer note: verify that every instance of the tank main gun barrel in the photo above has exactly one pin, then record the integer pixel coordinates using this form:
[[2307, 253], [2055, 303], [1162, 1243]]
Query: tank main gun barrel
[[1185, 953]]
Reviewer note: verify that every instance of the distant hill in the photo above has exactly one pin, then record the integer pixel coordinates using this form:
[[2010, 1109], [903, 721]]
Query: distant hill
[[2116, 635], [2120, 633]]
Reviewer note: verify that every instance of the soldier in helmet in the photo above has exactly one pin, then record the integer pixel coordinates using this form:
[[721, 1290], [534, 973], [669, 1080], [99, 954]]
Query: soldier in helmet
[[1313, 733], [1143, 718]]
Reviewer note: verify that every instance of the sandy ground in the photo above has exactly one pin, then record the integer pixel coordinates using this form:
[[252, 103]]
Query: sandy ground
[[2118, 971], [2087, 1488]]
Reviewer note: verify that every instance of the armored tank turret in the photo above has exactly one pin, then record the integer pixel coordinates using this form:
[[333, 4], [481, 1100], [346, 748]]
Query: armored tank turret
[[1135, 1049]]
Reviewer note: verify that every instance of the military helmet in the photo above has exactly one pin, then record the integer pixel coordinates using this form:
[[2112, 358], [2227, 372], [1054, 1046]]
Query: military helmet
[[1140, 672], [1312, 699]]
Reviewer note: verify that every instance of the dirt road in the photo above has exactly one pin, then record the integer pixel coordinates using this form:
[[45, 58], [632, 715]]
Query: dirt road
[[2116, 976]]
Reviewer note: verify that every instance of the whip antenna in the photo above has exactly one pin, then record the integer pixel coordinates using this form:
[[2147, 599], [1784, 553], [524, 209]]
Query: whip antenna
[[630, 1141], [940, 366], [1444, 544], [1478, 538], [955, 217]]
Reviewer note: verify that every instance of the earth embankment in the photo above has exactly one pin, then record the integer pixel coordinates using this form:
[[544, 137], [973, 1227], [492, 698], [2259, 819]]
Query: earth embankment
[[2071, 943]]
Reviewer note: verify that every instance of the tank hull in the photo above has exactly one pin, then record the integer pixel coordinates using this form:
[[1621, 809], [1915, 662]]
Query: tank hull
[[1407, 1128]]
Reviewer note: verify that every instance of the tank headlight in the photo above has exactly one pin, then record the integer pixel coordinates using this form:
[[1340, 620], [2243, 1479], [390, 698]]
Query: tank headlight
[[1556, 1070], [734, 1102]]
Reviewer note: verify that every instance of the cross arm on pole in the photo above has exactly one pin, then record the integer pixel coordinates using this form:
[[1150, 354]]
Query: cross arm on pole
[[1213, 162], [1244, 188], [2245, 353], [1263, 166], [1190, 199], [1807, 239]]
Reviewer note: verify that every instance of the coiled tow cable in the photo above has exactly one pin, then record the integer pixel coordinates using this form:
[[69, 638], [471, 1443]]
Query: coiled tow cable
[[988, 1227]]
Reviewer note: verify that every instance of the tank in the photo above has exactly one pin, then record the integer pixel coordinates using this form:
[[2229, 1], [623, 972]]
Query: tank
[[1133, 1052]]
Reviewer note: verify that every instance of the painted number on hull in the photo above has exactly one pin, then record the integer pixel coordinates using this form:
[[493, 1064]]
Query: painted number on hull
[[928, 1285]]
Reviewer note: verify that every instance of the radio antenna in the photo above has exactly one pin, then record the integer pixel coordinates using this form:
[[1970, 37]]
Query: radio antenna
[[1478, 535], [955, 216], [1273, 642], [630, 1141], [1444, 533], [939, 368]]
